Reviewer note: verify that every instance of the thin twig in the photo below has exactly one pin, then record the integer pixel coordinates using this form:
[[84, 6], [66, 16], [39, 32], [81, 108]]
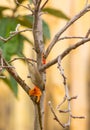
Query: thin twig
[[34, 2], [13, 34], [70, 37], [55, 116], [30, 8], [71, 98], [59, 105], [68, 50], [69, 23], [26, 7], [39, 2], [44, 4], [88, 33], [79, 117], [2, 66], [17, 28], [8, 67], [22, 58], [64, 111]]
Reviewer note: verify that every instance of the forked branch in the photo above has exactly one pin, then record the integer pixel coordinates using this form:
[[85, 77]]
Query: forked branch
[[68, 24], [12, 71], [65, 53], [13, 34], [65, 98]]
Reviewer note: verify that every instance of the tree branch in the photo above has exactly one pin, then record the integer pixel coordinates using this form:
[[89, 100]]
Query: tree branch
[[13, 34], [65, 98], [69, 23], [22, 58], [44, 4], [55, 116], [65, 53], [28, 7], [14, 74], [39, 48], [70, 37]]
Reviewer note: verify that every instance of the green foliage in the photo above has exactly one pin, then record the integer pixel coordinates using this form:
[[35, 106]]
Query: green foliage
[[56, 13], [13, 46], [46, 30], [30, 1], [16, 44]]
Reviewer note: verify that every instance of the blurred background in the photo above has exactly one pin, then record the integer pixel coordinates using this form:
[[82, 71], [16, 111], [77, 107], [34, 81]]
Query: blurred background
[[16, 109]]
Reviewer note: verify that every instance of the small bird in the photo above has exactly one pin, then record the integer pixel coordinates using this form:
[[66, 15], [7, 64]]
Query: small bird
[[35, 76], [36, 79]]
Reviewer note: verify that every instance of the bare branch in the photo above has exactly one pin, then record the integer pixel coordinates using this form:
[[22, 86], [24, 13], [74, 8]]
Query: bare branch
[[59, 105], [70, 37], [38, 3], [61, 70], [64, 111], [69, 23], [1, 69], [65, 87], [2, 66], [88, 33], [68, 50], [30, 9], [79, 117], [13, 34], [71, 98], [55, 116], [26, 7], [12, 71], [22, 58], [65, 53], [34, 2], [44, 4]]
